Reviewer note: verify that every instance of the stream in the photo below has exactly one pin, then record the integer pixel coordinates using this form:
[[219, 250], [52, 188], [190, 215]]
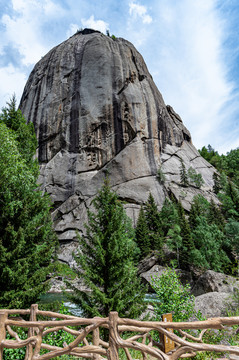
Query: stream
[[73, 308]]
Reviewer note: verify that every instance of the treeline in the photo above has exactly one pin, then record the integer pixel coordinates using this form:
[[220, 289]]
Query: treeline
[[227, 164], [207, 237], [27, 239]]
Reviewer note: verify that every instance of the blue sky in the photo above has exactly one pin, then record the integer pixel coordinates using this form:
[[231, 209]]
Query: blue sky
[[191, 48]]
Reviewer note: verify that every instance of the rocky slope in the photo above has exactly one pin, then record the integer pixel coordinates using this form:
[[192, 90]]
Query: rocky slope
[[97, 111]]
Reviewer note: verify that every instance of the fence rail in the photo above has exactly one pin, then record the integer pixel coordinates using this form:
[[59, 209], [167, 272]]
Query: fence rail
[[88, 344]]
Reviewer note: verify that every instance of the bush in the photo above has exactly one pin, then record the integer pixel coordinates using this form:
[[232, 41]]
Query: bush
[[172, 297]]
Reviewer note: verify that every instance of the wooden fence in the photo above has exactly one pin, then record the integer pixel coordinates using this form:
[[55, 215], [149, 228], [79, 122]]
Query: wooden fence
[[88, 344]]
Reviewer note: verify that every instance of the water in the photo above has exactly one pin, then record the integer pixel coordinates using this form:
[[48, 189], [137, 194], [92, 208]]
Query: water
[[60, 297], [73, 308]]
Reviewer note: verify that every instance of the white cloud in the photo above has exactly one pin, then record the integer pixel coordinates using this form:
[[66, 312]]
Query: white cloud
[[23, 27], [72, 29], [12, 81], [190, 69], [137, 10], [91, 23], [22, 30]]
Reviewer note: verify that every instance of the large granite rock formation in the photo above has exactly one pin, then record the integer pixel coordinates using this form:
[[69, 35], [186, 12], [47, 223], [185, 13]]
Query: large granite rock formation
[[97, 111]]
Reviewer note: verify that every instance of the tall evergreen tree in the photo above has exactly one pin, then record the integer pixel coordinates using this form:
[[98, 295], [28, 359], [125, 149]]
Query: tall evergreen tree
[[154, 224], [24, 133], [106, 261], [217, 184], [142, 234], [209, 242], [168, 216], [229, 197], [200, 206], [215, 216], [187, 242], [27, 241], [183, 174]]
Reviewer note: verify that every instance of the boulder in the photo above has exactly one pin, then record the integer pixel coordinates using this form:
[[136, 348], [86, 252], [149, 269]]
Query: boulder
[[148, 262], [211, 281], [212, 304], [157, 270]]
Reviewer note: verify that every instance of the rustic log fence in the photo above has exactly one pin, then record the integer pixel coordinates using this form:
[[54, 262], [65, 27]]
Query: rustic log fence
[[88, 344]]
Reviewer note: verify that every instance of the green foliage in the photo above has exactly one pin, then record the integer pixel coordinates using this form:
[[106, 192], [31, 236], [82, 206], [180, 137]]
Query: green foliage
[[13, 354], [228, 164], [183, 175], [62, 269], [172, 296], [211, 156], [200, 206], [208, 241], [160, 176], [154, 224], [142, 234], [174, 241], [185, 252], [27, 241], [55, 338], [194, 178], [229, 197], [217, 184], [168, 216], [24, 133], [106, 258]]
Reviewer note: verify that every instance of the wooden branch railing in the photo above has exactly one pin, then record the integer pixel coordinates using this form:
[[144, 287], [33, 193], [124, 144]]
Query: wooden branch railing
[[88, 344]]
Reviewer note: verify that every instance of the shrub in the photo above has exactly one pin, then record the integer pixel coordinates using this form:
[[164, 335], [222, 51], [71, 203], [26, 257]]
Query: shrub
[[172, 296]]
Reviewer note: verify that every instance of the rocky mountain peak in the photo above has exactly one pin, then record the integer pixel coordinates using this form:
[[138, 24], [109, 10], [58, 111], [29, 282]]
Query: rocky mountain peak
[[97, 110]]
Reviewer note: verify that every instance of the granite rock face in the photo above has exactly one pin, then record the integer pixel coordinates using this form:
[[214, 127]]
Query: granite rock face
[[97, 111]]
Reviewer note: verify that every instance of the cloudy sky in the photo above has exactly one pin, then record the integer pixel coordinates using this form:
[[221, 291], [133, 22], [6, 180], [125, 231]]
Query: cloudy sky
[[191, 48]]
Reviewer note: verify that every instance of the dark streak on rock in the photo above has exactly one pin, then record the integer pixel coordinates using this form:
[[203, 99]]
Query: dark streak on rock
[[75, 104]]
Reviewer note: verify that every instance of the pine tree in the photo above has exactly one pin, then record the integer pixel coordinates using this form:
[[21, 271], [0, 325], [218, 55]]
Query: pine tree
[[200, 206], [187, 242], [27, 241], [168, 216], [24, 133], [217, 184], [154, 224], [194, 178], [209, 242], [106, 261], [183, 175], [215, 216], [142, 234], [229, 197]]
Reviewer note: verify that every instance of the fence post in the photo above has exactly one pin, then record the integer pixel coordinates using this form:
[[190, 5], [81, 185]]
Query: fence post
[[96, 341], [3, 318], [112, 352], [31, 331]]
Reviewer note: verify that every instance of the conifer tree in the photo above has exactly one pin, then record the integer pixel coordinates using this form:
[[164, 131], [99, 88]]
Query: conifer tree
[[24, 134], [194, 178], [27, 241], [187, 242], [142, 234], [215, 216], [200, 206], [209, 242], [154, 224], [217, 184], [168, 216], [106, 261], [183, 175]]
